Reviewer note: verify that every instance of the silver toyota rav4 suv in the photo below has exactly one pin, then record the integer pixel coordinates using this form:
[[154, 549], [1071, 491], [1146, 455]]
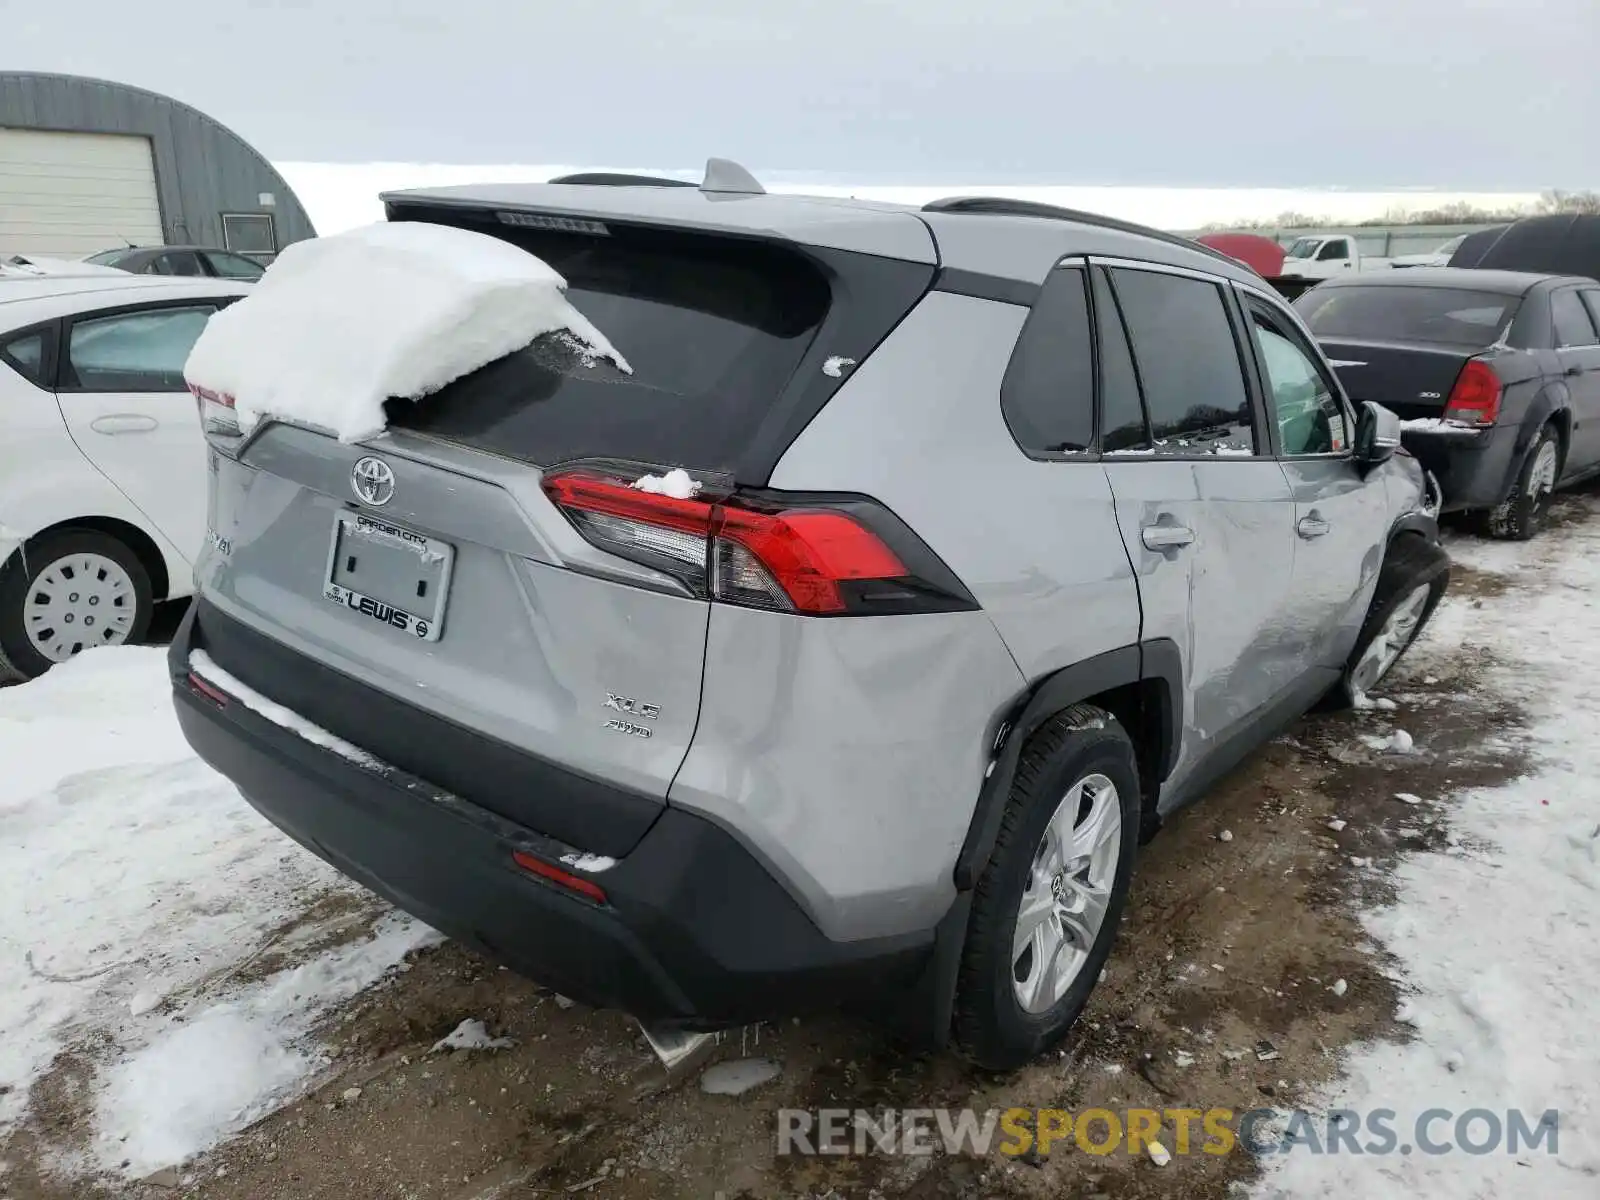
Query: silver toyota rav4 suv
[[1015, 528]]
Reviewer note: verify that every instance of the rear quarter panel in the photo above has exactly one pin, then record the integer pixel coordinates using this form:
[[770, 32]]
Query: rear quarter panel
[[858, 777]]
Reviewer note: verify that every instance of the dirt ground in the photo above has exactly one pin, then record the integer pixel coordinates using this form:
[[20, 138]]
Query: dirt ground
[[1229, 942]]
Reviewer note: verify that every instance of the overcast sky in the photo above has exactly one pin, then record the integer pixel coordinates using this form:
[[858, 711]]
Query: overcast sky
[[1459, 94]]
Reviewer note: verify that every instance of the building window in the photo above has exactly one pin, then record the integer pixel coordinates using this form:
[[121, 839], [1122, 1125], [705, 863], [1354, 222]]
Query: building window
[[249, 233]]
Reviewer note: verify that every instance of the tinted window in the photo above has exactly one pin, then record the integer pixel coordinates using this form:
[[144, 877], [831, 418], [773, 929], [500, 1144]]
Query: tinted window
[[1310, 418], [25, 354], [177, 262], [1188, 363], [233, 266], [1122, 423], [1573, 327], [713, 329], [133, 352], [1447, 316], [1048, 392], [1336, 249], [1592, 299]]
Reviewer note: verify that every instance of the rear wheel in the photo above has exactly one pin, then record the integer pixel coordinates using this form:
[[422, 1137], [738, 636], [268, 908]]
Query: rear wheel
[[1045, 910], [68, 591], [1415, 574], [1522, 514]]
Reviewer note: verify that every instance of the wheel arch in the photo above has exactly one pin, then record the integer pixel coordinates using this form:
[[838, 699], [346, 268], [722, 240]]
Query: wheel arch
[[1142, 686], [142, 545]]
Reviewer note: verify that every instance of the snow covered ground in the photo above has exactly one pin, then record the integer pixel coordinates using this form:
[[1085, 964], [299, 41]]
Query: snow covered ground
[[184, 955], [1496, 940], [135, 888]]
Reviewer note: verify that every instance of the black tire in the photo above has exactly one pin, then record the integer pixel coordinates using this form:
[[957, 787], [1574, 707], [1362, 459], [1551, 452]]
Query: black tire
[[991, 1026], [1413, 561], [19, 658], [1521, 515]]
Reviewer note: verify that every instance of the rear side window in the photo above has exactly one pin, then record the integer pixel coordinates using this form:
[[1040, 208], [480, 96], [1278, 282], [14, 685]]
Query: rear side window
[[176, 262], [1446, 316], [712, 327], [1573, 327], [1188, 363], [133, 352], [25, 355], [1592, 300], [1048, 392], [1122, 421]]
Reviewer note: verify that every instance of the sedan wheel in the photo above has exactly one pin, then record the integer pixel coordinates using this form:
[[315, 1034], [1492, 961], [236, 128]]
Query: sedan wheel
[[79, 601]]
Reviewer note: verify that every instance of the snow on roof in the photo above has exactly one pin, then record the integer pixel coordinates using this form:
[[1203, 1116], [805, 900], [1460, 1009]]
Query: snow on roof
[[339, 324]]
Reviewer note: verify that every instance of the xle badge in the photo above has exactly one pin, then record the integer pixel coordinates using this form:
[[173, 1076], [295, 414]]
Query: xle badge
[[633, 708]]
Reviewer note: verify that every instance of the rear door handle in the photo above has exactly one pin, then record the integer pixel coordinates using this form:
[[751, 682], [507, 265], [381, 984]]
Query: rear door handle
[[1166, 537], [123, 423], [1311, 526]]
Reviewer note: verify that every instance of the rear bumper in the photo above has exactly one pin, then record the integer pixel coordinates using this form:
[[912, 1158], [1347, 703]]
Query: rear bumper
[[694, 930], [1474, 467]]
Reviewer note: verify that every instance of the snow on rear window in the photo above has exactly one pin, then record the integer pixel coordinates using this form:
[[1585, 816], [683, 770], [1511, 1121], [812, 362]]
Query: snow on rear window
[[340, 324]]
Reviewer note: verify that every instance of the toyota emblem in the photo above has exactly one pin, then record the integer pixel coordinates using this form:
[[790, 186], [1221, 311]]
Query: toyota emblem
[[372, 480]]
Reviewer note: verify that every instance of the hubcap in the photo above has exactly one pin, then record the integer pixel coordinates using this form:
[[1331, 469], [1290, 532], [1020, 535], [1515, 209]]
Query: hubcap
[[1542, 478], [76, 602], [1067, 893], [1385, 649]]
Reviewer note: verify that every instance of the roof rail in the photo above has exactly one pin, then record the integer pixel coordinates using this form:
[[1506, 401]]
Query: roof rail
[[998, 206], [619, 179], [726, 177]]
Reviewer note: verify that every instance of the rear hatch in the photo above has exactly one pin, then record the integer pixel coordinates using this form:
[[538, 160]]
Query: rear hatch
[[1401, 346], [514, 643]]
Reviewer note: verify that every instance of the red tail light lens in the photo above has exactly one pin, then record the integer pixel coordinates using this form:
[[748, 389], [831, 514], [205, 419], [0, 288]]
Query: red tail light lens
[[216, 409], [789, 560], [1475, 399]]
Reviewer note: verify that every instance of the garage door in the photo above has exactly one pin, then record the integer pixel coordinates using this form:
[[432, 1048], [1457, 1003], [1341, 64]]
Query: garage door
[[66, 195]]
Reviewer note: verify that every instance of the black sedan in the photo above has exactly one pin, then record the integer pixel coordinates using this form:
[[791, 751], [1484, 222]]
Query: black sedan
[[179, 260], [1495, 375]]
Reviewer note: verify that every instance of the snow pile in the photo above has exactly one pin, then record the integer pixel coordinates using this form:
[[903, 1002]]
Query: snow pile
[[340, 324], [211, 1072], [134, 883], [472, 1034], [675, 483], [206, 667], [1496, 945]]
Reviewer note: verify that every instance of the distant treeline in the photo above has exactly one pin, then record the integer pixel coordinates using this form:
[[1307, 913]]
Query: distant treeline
[[1459, 213]]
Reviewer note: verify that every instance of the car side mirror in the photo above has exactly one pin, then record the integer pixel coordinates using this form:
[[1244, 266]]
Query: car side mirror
[[1377, 434]]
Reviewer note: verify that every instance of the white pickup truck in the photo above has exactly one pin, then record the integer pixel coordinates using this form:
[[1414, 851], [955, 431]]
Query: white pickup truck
[[1327, 257]]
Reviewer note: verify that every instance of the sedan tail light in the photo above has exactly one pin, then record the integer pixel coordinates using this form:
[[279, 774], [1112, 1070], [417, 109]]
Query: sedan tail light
[[1475, 399], [217, 415]]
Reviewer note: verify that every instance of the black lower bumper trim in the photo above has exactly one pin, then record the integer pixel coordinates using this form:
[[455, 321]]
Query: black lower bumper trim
[[695, 930]]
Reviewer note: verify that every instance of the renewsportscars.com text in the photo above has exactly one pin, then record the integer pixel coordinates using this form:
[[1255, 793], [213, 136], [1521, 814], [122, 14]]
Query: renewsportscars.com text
[[1180, 1131]]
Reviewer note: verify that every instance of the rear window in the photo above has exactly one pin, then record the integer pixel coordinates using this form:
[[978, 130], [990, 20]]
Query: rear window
[[712, 327], [1447, 316]]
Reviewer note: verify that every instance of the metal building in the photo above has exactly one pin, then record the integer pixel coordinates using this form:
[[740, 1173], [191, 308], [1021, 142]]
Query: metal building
[[87, 165]]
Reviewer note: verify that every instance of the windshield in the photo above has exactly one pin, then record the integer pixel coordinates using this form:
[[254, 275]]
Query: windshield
[[1446, 316], [106, 258], [1451, 246], [1303, 248]]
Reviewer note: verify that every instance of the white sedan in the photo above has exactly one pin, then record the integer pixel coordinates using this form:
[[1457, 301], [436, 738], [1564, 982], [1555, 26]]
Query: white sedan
[[102, 463]]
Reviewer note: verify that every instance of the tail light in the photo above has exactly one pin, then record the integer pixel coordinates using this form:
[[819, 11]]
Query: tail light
[[217, 415], [833, 559], [1475, 399]]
